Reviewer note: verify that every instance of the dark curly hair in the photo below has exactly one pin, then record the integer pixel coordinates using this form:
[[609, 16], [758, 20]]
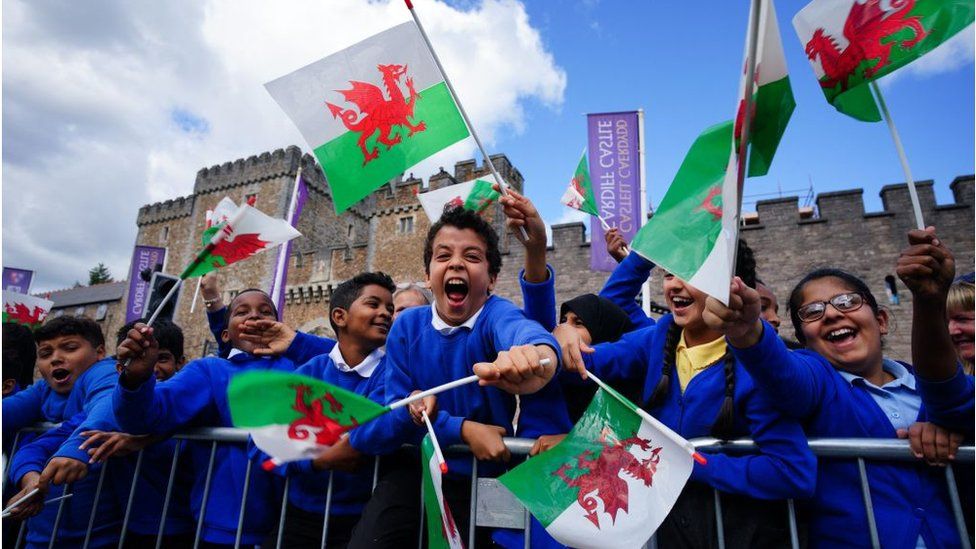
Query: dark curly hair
[[67, 325], [462, 218], [346, 293]]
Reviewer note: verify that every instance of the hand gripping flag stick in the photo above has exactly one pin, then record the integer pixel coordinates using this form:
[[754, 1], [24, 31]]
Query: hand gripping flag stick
[[491, 166], [675, 437], [6, 512], [437, 445]]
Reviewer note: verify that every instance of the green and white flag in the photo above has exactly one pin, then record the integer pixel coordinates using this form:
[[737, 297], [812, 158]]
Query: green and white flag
[[291, 416], [442, 532], [474, 195], [25, 309], [610, 482], [852, 42], [693, 231], [371, 111], [579, 194]]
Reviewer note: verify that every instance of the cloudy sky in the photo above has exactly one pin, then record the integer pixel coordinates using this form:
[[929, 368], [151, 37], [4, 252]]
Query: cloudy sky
[[109, 105]]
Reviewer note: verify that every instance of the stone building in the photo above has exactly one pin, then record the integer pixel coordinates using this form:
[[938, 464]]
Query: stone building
[[387, 230]]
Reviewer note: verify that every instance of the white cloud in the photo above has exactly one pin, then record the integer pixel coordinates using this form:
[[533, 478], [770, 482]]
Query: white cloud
[[958, 51], [113, 105]]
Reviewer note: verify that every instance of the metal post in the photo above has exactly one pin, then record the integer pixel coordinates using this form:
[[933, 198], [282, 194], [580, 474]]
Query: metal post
[[328, 507], [527, 543], [423, 515], [169, 494], [13, 450], [57, 518], [868, 506], [281, 516], [472, 522], [376, 472], [94, 511], [957, 508], [646, 286], [240, 518], [132, 495], [719, 526], [206, 494], [794, 535]]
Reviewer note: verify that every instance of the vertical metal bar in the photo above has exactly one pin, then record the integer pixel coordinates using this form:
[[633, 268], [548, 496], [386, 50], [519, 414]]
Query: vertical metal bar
[[23, 530], [132, 495], [719, 526], [328, 506], [281, 516], [376, 472], [10, 456], [94, 511], [206, 494], [957, 508], [169, 494], [472, 521], [57, 518], [527, 543], [240, 517], [794, 534], [423, 515], [868, 506]]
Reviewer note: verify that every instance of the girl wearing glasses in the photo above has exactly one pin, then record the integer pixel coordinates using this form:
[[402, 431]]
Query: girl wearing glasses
[[842, 385]]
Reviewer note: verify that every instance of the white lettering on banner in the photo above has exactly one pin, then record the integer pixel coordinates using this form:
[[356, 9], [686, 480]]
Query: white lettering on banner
[[604, 132], [623, 149], [139, 299]]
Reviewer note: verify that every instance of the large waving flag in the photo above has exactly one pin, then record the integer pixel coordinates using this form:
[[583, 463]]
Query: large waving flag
[[371, 111], [474, 195], [610, 482], [442, 532], [25, 309], [852, 42]]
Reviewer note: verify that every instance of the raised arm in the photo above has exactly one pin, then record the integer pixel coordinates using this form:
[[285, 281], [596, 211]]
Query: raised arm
[[624, 285]]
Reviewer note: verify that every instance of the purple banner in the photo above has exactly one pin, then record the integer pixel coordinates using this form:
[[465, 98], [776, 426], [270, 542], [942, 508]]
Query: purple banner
[[17, 280], [615, 173], [278, 283], [144, 257]]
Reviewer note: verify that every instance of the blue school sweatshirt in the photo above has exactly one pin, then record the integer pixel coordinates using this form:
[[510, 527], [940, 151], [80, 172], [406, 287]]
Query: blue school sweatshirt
[[785, 466], [624, 285], [308, 488], [418, 357], [87, 406], [197, 397], [217, 320], [910, 498], [539, 299]]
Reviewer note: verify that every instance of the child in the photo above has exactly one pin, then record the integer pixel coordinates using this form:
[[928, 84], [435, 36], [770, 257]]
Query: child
[[411, 295], [694, 386], [361, 313], [843, 386], [962, 321], [76, 390], [19, 354], [195, 397]]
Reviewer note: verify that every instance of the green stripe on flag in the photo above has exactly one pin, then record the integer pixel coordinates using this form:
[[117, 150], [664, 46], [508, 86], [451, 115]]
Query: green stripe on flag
[[342, 158], [774, 105]]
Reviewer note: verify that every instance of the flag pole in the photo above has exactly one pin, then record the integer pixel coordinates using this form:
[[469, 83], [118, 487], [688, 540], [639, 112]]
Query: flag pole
[[196, 294], [277, 283], [646, 287], [437, 446], [912, 192], [444, 387], [498, 178]]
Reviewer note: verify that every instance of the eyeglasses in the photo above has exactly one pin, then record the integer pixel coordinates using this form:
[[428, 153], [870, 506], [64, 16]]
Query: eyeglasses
[[845, 303]]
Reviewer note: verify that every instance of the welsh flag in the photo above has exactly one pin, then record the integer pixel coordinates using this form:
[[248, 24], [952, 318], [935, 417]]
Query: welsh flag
[[852, 42], [474, 195], [217, 218], [442, 532], [371, 111], [25, 309], [291, 416], [246, 232], [610, 482], [579, 194]]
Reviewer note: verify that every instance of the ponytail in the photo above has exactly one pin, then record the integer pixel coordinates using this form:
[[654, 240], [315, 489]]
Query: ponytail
[[724, 425], [667, 367]]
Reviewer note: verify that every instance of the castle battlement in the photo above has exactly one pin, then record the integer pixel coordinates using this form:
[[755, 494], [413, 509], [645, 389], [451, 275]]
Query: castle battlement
[[165, 211]]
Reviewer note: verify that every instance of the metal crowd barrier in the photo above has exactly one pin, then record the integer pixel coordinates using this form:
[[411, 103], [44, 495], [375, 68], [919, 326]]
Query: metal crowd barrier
[[492, 505]]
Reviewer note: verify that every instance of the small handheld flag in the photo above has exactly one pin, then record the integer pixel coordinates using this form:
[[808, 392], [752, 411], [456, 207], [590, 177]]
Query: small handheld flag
[[442, 531], [475, 195], [25, 309], [437, 447]]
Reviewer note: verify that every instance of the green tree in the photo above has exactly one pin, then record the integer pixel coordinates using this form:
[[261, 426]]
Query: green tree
[[99, 274]]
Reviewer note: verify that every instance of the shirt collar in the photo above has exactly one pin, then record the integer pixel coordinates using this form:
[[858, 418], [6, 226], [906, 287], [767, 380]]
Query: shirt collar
[[446, 329], [364, 368], [903, 378], [704, 355]]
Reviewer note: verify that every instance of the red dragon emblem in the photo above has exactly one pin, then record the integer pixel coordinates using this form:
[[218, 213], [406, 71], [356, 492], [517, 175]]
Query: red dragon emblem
[[866, 26], [709, 205], [600, 476], [378, 112], [315, 421], [22, 314], [241, 247]]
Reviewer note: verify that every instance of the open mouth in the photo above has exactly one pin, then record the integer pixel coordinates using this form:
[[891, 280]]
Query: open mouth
[[60, 374], [680, 303], [961, 340], [841, 336], [456, 290]]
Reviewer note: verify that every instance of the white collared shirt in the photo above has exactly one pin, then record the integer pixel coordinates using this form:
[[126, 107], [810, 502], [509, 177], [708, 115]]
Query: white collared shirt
[[446, 329], [364, 368]]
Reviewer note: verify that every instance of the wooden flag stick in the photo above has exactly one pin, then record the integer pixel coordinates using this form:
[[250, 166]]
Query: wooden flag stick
[[916, 206], [437, 446], [498, 178]]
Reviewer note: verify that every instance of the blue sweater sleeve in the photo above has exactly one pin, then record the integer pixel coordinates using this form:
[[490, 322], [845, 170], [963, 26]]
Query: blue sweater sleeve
[[159, 409], [97, 412], [540, 299], [305, 347], [32, 457], [797, 381], [543, 413], [218, 323], [23, 409], [624, 285], [949, 403], [624, 360], [508, 326]]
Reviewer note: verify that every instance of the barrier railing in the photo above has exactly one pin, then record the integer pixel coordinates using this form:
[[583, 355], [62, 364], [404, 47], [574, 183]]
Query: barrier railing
[[492, 505]]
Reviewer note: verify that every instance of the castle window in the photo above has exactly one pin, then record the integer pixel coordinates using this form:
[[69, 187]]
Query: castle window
[[298, 261], [79, 310], [406, 225], [165, 233], [349, 231], [101, 312]]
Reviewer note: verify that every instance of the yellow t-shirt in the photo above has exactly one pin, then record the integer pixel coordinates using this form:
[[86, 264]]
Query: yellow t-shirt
[[690, 361]]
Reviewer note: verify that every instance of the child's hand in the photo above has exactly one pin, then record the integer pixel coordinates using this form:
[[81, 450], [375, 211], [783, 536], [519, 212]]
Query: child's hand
[[63, 470], [523, 369], [926, 266], [545, 442], [210, 290], [935, 445], [740, 320], [616, 245], [33, 505], [522, 213], [572, 347], [273, 337], [341, 456], [141, 349], [102, 445], [417, 409], [485, 441]]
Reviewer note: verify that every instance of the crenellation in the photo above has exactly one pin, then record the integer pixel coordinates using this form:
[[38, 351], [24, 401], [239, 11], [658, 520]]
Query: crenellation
[[778, 211], [839, 206], [962, 189], [166, 210], [897, 199]]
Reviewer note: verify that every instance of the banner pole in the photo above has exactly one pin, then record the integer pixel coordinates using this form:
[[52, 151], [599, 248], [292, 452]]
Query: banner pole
[[646, 287], [277, 283], [912, 192], [457, 100]]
